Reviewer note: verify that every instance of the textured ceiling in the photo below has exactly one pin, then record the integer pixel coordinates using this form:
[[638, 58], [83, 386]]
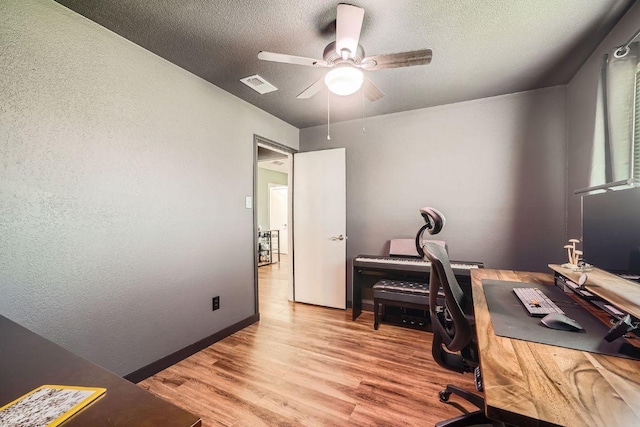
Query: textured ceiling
[[480, 47]]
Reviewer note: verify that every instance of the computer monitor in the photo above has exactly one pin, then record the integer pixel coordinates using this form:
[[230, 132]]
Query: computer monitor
[[611, 230]]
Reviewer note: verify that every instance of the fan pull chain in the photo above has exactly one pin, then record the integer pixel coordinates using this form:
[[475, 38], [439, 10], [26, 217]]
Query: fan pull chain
[[328, 115], [363, 129]]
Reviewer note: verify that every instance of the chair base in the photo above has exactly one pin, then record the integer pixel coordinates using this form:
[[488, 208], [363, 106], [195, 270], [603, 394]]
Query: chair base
[[469, 419], [466, 420], [470, 397]]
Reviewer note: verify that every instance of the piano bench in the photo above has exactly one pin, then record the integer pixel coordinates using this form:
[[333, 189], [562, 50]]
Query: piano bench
[[401, 294]]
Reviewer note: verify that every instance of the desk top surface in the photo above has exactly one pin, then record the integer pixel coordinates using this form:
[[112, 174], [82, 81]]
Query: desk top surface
[[527, 382], [28, 361]]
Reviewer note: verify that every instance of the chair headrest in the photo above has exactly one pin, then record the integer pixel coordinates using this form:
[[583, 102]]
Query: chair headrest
[[434, 219]]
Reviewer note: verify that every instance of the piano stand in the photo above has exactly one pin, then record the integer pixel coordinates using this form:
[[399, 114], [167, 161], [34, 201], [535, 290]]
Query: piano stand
[[399, 293]]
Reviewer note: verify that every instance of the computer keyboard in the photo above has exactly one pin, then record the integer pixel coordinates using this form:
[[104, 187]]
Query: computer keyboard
[[536, 302]]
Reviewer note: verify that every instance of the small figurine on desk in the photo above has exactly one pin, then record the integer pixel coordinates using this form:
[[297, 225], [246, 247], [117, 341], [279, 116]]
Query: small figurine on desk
[[575, 261]]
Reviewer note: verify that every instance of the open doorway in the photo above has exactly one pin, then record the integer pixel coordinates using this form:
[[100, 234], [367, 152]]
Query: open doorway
[[319, 255], [272, 226]]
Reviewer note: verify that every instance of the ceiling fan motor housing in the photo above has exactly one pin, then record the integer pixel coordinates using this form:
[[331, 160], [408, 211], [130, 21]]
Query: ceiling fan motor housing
[[332, 57]]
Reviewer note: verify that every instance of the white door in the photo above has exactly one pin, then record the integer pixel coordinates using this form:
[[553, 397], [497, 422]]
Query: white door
[[319, 213], [278, 214]]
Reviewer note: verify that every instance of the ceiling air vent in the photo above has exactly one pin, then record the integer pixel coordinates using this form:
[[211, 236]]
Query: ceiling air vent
[[258, 84]]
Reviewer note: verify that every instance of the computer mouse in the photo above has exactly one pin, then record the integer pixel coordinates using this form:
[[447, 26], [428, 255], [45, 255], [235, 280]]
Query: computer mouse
[[560, 321]]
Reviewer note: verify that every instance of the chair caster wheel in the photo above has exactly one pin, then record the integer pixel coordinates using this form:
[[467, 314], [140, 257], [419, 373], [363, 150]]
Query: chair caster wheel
[[444, 395]]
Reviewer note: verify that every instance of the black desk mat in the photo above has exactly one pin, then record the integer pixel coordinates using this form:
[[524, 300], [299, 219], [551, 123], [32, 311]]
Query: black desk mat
[[510, 319]]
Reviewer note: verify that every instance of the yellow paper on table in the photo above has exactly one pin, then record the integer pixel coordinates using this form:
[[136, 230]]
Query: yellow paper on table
[[48, 405]]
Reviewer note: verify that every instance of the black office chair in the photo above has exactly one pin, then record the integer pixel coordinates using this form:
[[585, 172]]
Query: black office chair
[[453, 328]]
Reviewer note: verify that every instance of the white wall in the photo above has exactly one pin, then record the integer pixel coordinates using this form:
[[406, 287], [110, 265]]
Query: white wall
[[581, 110], [122, 186], [495, 167]]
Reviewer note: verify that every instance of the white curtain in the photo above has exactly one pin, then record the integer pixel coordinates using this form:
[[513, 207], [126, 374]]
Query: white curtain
[[615, 134]]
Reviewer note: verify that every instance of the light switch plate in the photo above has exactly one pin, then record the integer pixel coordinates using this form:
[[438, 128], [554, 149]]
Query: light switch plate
[[248, 202]]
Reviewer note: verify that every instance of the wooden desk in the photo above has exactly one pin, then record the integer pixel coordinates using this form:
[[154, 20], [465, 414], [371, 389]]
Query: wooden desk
[[28, 360], [533, 384]]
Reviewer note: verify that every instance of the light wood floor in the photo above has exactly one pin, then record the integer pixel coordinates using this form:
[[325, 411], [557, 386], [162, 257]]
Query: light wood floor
[[308, 365]]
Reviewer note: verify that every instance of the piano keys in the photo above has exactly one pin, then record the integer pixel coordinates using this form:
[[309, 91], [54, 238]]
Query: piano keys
[[368, 269], [417, 265]]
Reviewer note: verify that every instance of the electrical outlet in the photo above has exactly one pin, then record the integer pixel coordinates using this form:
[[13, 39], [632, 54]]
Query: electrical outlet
[[216, 303]]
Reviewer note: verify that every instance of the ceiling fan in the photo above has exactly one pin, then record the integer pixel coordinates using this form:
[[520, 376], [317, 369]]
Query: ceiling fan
[[347, 60]]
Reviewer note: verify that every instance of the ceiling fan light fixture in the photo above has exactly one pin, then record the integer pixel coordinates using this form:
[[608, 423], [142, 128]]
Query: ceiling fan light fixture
[[344, 80]]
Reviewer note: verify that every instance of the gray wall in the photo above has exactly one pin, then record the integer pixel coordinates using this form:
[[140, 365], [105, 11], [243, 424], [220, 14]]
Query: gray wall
[[122, 191], [581, 110], [266, 176], [495, 167]]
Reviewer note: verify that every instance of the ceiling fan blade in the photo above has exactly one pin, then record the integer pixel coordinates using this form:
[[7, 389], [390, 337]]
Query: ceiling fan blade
[[291, 59], [348, 26], [371, 91], [395, 60], [312, 90]]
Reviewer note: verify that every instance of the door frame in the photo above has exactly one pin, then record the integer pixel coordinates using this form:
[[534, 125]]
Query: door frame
[[259, 141]]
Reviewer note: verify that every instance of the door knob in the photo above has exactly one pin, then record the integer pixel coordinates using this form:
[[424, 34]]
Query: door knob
[[340, 237]]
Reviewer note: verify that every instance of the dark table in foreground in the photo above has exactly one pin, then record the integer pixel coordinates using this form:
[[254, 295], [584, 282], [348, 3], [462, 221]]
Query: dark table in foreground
[[28, 360], [533, 384]]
